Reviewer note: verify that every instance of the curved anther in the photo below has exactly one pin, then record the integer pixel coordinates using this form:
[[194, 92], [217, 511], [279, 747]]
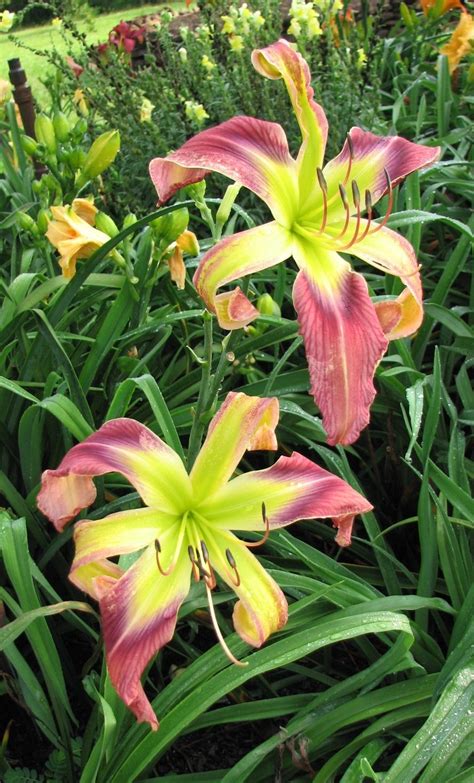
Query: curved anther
[[231, 561], [266, 521], [356, 200], [209, 578], [351, 158], [368, 207], [194, 563], [324, 190], [218, 631], [164, 571], [388, 211], [345, 203]]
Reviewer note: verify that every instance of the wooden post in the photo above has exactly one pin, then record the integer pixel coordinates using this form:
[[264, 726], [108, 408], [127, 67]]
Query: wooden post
[[24, 100]]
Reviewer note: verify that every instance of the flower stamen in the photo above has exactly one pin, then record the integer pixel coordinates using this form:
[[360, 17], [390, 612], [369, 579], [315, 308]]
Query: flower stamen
[[266, 521], [356, 200], [368, 207], [220, 638], [389, 205], [232, 563], [210, 578], [324, 189], [345, 202], [351, 158], [172, 566]]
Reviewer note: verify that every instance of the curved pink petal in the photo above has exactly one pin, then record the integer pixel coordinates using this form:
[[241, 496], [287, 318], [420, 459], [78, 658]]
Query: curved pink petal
[[139, 614], [250, 151], [281, 61], [370, 156], [87, 577], [343, 340], [392, 253], [124, 446], [234, 257], [262, 608], [293, 488], [242, 423]]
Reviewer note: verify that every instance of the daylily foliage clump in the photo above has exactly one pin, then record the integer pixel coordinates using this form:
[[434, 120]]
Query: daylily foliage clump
[[186, 530], [317, 215]]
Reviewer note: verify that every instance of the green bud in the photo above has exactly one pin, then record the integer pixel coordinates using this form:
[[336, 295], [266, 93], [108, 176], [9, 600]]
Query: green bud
[[100, 156], [29, 145], [105, 223], [44, 132], [197, 191], [129, 220], [222, 215], [42, 221], [26, 222], [36, 186], [62, 126], [267, 306], [406, 15], [169, 227], [76, 158], [80, 128]]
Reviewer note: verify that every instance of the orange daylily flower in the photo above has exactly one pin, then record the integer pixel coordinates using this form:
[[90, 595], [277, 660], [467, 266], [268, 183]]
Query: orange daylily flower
[[73, 234], [186, 243], [460, 42]]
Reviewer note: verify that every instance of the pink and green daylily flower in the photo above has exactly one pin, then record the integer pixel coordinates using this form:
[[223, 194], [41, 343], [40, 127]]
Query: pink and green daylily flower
[[186, 530], [317, 216]]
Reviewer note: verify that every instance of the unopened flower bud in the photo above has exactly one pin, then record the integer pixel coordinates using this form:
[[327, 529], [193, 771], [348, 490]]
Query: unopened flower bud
[[42, 221], [29, 145], [169, 227], [100, 156], [26, 222], [61, 126], [129, 220], [267, 306], [44, 132], [222, 215], [105, 223], [80, 128], [76, 158]]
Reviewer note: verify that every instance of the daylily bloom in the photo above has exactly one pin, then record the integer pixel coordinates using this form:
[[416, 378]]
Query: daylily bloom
[[317, 215], [73, 234], [186, 530], [460, 43]]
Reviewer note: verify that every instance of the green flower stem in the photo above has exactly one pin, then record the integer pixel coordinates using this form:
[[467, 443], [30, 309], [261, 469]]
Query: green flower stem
[[199, 423]]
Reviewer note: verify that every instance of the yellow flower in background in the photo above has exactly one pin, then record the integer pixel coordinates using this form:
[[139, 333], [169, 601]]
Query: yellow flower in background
[[183, 54], [80, 102], [6, 20], [236, 43], [72, 233], [195, 112], [304, 20], [57, 21], [207, 63], [146, 110], [313, 28], [5, 89], [460, 43], [361, 59], [228, 26]]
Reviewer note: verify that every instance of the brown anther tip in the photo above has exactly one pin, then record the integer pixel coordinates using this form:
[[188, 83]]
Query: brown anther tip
[[264, 510], [368, 200], [230, 558], [355, 192], [343, 194], [205, 553], [322, 182], [387, 178], [191, 553], [350, 145], [157, 546]]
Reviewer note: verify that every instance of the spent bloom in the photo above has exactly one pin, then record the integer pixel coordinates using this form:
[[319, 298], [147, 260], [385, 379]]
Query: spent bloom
[[461, 42], [317, 215], [186, 243], [72, 233], [186, 530], [6, 20]]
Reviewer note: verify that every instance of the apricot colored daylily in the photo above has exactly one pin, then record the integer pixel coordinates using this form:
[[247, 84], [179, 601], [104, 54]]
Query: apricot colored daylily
[[317, 215], [460, 43], [186, 530], [73, 234]]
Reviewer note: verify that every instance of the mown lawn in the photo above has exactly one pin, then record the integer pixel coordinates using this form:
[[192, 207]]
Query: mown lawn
[[47, 37]]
